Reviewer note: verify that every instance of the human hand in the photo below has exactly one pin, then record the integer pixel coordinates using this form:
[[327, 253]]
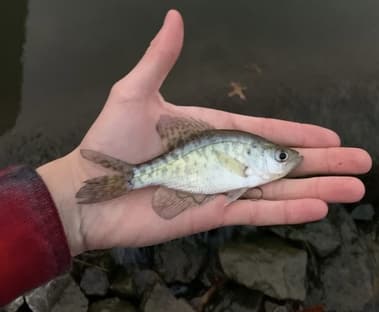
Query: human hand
[[125, 129]]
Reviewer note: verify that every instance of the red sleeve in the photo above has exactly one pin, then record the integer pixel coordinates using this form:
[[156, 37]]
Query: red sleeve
[[33, 246]]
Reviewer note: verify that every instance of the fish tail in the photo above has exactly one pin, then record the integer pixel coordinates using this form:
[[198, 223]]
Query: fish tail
[[105, 187]]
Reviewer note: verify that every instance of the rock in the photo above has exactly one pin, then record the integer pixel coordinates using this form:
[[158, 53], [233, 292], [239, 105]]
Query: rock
[[94, 282], [14, 305], [112, 305], [179, 260], [123, 285], [347, 278], [213, 273], [321, 235], [145, 280], [59, 295], [273, 307], [180, 289], [72, 299], [45, 297], [364, 212], [267, 265], [160, 299], [237, 299]]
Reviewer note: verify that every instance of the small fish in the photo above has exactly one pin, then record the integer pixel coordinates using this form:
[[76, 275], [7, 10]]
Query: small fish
[[199, 163]]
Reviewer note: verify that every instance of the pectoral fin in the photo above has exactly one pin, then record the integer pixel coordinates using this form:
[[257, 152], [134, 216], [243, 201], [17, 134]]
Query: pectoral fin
[[232, 164], [175, 131], [168, 203], [235, 194]]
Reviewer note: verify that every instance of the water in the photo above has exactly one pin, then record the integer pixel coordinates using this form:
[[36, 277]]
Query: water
[[312, 55]]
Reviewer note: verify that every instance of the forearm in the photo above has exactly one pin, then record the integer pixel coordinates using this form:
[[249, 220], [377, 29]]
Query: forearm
[[33, 245]]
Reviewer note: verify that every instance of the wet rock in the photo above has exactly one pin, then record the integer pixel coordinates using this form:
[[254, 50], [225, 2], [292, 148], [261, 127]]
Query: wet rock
[[321, 235], [112, 305], [145, 280], [94, 282], [72, 299], [160, 299], [123, 285], [273, 307], [269, 265], [364, 212], [237, 299], [45, 297], [14, 305], [213, 273], [59, 295], [347, 278], [179, 260], [179, 289]]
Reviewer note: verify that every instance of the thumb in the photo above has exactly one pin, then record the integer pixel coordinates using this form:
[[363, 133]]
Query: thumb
[[151, 71]]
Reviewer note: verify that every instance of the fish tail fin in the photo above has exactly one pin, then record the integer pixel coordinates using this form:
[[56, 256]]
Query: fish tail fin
[[102, 188], [105, 187]]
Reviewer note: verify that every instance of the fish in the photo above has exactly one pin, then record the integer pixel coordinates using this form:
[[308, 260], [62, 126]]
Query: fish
[[198, 163]]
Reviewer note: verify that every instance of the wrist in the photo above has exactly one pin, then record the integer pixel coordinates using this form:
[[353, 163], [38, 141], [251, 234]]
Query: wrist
[[58, 176]]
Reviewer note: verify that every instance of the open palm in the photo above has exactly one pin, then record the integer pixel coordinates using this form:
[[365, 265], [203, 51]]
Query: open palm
[[125, 129]]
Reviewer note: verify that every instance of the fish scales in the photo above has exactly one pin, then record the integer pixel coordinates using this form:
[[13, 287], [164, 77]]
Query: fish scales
[[195, 166]]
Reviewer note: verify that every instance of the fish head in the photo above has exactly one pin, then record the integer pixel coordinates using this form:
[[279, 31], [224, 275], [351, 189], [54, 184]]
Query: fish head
[[279, 161]]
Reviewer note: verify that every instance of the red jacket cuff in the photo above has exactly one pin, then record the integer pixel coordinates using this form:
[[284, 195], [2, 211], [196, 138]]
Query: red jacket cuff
[[33, 246]]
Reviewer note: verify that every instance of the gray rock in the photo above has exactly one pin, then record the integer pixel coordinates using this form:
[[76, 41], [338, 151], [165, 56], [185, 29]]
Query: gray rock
[[268, 265], [236, 299], [72, 299], [45, 297], [112, 305], [123, 285], [160, 299], [145, 280], [179, 260], [59, 295], [321, 235], [273, 307], [348, 277], [94, 282], [364, 212], [14, 305]]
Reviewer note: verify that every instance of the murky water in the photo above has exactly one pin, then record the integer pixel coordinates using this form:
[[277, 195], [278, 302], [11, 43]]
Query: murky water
[[317, 60]]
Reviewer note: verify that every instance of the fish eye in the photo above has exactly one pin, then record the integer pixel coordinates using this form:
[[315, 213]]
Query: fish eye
[[281, 156]]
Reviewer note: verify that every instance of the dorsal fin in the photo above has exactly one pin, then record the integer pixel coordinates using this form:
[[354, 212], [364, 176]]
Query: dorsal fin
[[175, 131]]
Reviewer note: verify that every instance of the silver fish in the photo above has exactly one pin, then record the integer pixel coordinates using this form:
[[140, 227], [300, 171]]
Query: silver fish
[[200, 162]]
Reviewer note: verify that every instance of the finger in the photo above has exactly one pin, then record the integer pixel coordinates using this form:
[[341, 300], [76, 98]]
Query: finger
[[252, 212], [149, 74], [328, 189], [265, 212], [279, 131], [333, 160]]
